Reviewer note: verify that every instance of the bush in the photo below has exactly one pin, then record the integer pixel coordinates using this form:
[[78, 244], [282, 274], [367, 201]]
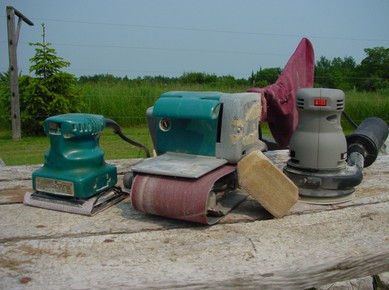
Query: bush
[[51, 92], [5, 102], [41, 98]]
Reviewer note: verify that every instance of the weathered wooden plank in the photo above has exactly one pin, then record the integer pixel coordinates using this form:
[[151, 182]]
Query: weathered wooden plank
[[16, 180], [18, 222], [22, 222], [23, 172], [294, 252], [278, 157], [10, 173], [312, 246]]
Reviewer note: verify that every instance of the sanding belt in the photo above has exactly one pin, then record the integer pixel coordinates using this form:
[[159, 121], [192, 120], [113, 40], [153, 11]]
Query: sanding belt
[[182, 198]]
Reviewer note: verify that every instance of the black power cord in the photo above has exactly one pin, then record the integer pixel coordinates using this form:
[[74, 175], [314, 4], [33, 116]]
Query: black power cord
[[351, 122], [117, 130]]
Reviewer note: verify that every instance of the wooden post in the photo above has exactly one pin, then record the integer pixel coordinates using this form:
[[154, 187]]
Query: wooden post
[[13, 37]]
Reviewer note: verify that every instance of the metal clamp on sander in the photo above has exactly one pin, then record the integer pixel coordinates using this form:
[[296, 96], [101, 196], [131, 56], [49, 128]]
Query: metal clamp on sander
[[325, 165], [198, 137]]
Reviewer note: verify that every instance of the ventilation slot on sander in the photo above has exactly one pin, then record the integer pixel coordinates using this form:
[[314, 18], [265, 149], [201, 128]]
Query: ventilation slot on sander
[[324, 164]]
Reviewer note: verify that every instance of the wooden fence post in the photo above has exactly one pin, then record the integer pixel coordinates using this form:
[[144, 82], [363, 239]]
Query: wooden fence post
[[13, 37]]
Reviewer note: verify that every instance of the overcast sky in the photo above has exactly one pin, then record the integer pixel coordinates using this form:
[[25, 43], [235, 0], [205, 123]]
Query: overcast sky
[[171, 37]]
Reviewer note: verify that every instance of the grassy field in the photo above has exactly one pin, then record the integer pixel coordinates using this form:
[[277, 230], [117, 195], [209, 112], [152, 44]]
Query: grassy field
[[126, 103], [31, 150]]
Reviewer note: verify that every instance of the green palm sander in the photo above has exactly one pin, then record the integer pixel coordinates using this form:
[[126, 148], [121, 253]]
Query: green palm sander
[[75, 177]]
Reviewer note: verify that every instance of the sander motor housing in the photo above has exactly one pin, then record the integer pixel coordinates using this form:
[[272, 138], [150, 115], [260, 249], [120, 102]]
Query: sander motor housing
[[74, 165], [318, 142], [205, 123], [318, 162]]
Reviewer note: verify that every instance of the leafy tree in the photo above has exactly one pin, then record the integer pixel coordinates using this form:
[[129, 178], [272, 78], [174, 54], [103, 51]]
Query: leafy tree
[[337, 73], [5, 103], [227, 81], [374, 69], [51, 92], [109, 79], [344, 72], [323, 72], [265, 77], [198, 78]]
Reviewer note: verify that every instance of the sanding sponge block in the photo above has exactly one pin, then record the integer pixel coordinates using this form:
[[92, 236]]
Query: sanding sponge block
[[267, 184]]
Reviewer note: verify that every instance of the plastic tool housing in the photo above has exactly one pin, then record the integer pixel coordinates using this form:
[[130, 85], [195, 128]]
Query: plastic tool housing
[[318, 162], [367, 139], [74, 165], [205, 123], [318, 142]]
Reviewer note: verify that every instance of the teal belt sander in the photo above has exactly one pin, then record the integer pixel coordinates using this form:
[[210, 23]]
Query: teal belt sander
[[75, 178], [198, 137]]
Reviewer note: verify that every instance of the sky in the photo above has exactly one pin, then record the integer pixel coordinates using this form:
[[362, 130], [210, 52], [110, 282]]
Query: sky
[[137, 38]]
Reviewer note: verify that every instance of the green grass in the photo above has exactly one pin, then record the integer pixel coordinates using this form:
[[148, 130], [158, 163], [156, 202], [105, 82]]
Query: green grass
[[361, 105], [28, 150], [31, 150], [116, 148], [126, 103]]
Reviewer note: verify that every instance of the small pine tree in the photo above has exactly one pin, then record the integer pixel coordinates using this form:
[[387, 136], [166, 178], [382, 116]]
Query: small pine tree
[[51, 92]]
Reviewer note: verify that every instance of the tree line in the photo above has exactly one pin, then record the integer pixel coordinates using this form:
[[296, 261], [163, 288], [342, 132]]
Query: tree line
[[372, 74], [51, 91]]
